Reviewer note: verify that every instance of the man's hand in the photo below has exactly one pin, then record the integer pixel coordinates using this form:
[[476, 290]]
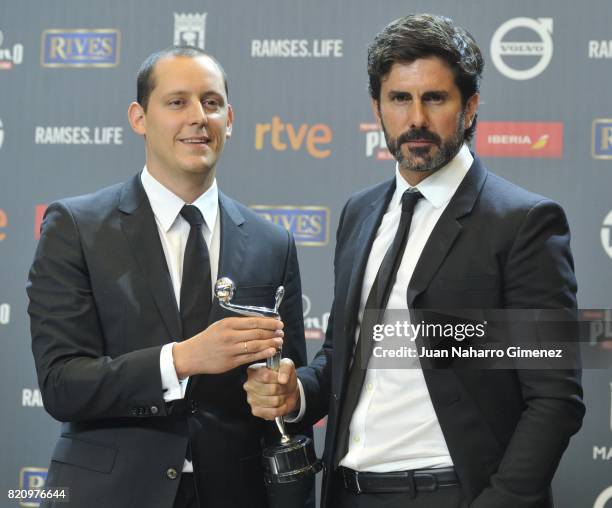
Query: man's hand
[[271, 393], [227, 344]]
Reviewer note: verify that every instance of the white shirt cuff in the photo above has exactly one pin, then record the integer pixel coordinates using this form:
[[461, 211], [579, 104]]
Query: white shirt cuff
[[293, 417], [173, 387]]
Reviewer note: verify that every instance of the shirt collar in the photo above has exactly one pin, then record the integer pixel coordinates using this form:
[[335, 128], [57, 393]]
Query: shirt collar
[[166, 205], [439, 187]]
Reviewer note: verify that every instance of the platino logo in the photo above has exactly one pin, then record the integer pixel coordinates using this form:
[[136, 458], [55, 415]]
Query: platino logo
[[314, 327], [31, 478], [601, 138], [606, 234], [80, 48], [375, 143], [543, 48], [190, 29], [603, 498], [9, 57]]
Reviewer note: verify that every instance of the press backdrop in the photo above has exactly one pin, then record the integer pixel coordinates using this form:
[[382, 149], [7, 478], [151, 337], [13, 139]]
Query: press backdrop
[[303, 141]]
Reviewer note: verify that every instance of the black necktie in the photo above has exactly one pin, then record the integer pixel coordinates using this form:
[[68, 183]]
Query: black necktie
[[377, 300], [196, 298]]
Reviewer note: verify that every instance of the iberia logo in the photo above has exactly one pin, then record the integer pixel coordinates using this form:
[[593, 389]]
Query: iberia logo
[[520, 139]]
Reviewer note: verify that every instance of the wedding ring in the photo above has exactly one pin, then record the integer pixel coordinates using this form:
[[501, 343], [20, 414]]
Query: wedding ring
[[246, 349]]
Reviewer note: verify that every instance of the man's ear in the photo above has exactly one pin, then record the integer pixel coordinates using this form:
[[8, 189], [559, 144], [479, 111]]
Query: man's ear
[[136, 117], [230, 121], [471, 109]]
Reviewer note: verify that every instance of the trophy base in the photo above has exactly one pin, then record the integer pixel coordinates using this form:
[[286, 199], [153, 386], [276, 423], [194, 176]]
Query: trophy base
[[289, 461]]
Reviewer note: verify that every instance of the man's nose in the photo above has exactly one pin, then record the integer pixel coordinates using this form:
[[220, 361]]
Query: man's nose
[[197, 114], [418, 115]]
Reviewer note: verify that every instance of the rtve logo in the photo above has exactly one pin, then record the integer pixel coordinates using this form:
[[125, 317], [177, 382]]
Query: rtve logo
[[283, 135]]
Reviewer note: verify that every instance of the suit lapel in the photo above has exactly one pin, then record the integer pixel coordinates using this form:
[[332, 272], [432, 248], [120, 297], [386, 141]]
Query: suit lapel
[[362, 246], [140, 229], [446, 231], [233, 245]]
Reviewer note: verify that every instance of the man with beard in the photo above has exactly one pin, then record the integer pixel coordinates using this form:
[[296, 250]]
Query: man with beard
[[444, 233]]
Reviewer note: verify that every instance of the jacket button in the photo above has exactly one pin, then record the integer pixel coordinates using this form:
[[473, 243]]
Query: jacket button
[[154, 410], [172, 473], [194, 407]]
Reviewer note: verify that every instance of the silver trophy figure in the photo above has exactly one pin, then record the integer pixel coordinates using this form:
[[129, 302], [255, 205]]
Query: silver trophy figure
[[289, 466]]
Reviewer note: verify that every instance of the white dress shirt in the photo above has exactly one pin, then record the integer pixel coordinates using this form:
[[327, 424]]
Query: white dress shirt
[[394, 426], [173, 232]]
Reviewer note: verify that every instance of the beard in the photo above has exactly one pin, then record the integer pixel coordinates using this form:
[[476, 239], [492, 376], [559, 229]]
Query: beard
[[425, 159]]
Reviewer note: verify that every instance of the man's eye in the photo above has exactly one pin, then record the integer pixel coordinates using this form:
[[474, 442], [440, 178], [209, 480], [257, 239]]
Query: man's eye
[[435, 98], [176, 102], [400, 99], [211, 104]]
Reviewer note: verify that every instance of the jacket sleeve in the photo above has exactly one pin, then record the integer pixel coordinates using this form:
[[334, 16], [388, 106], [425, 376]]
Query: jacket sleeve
[[77, 378], [538, 274]]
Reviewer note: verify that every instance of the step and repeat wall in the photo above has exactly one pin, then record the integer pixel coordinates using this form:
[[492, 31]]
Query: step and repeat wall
[[304, 139]]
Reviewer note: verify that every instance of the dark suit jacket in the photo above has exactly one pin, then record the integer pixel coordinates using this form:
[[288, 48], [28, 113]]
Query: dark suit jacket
[[101, 307], [495, 246]]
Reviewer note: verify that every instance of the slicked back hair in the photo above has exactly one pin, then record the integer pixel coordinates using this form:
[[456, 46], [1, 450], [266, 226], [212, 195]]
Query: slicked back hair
[[145, 82]]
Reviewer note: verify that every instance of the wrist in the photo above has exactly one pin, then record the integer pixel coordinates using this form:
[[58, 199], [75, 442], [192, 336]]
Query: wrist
[[180, 359]]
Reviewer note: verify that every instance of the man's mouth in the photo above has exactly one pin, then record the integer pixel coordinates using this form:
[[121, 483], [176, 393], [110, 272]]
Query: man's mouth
[[199, 140]]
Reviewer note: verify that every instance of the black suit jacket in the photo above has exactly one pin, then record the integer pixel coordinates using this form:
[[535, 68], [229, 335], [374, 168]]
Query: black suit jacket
[[495, 246], [101, 307]]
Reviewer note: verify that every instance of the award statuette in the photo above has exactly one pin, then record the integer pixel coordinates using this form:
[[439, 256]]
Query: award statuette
[[290, 465]]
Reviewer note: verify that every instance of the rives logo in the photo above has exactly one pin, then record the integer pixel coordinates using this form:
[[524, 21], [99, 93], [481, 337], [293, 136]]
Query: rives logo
[[520, 139], [601, 138], [541, 50], [190, 29], [283, 135], [309, 224], [80, 47], [9, 57], [375, 143]]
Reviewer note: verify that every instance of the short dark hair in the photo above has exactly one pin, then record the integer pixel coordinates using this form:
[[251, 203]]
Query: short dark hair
[[421, 36], [145, 82]]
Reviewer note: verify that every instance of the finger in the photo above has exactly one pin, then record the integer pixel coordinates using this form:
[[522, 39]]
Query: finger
[[254, 357], [249, 323], [286, 370], [262, 375], [257, 334], [268, 413], [247, 347], [265, 401]]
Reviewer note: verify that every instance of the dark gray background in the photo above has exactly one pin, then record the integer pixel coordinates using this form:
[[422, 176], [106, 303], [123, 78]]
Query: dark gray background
[[573, 89]]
